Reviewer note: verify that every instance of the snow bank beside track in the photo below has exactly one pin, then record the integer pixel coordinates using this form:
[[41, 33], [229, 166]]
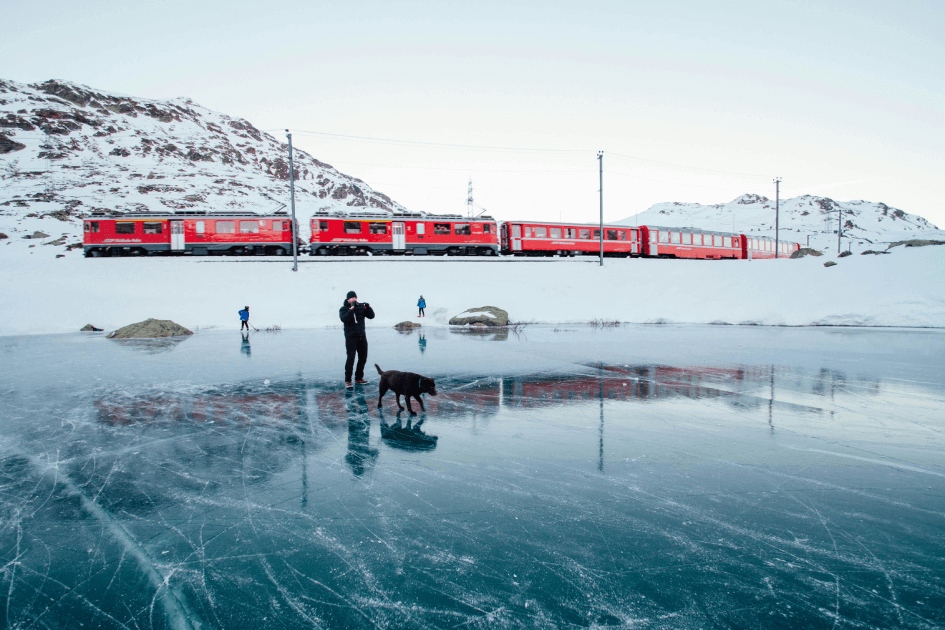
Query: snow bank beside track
[[905, 288]]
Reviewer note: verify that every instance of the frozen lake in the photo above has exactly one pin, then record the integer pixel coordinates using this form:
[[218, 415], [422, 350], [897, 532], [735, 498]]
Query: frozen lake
[[646, 477]]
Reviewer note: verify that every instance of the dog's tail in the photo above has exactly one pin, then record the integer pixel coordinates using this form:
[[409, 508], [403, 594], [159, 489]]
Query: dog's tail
[[379, 370]]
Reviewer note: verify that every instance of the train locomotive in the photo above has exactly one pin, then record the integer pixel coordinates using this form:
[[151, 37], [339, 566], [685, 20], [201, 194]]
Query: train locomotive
[[198, 234]]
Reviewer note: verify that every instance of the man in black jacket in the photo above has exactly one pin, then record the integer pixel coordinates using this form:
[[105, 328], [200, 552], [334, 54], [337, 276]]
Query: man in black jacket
[[353, 314]]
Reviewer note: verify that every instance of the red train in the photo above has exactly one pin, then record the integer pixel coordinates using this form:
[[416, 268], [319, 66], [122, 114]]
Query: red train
[[408, 234], [369, 233], [529, 238], [200, 234]]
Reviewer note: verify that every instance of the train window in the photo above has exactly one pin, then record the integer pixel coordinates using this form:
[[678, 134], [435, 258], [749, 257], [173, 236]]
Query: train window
[[421, 228], [596, 235], [611, 235], [652, 237], [225, 227], [487, 228], [687, 239], [352, 227], [675, 237], [462, 229], [664, 237], [92, 226], [554, 232], [441, 228], [249, 227], [585, 234], [568, 233], [516, 231], [124, 227], [541, 232], [199, 227], [323, 225], [623, 235], [717, 240], [153, 228], [727, 241], [378, 228]]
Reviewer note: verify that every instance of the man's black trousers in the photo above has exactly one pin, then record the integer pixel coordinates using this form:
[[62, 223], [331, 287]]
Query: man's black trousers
[[359, 345]]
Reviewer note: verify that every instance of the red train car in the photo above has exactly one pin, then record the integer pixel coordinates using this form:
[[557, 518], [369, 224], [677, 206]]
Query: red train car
[[672, 242], [531, 238], [764, 247], [361, 234], [138, 234]]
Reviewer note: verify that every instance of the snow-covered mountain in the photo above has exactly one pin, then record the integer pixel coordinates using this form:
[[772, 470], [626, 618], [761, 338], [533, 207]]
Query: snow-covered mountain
[[67, 149], [865, 224]]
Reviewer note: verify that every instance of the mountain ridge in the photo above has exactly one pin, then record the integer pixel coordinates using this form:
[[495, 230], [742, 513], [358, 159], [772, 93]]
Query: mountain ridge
[[67, 149]]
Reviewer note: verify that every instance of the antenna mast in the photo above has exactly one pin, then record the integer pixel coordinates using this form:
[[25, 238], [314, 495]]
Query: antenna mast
[[469, 200]]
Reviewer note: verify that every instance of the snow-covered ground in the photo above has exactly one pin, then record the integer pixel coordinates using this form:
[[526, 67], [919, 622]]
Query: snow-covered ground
[[48, 295]]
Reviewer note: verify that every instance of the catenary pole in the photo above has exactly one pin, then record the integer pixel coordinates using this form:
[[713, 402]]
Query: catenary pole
[[295, 236], [777, 209], [600, 158], [839, 226]]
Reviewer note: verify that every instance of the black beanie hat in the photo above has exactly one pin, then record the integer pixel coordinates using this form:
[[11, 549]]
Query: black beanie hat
[[350, 295]]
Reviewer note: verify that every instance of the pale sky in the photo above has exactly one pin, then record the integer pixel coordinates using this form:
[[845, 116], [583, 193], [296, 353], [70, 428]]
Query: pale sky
[[689, 102]]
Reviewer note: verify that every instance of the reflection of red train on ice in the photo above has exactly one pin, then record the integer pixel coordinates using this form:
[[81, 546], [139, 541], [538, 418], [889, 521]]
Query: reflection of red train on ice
[[136, 234], [223, 409]]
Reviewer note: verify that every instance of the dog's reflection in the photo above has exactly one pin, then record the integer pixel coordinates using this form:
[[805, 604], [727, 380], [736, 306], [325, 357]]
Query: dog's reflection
[[407, 437], [360, 455]]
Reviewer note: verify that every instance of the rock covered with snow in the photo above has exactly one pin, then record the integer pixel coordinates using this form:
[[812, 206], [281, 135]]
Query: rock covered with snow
[[482, 316], [150, 329], [68, 149], [806, 251]]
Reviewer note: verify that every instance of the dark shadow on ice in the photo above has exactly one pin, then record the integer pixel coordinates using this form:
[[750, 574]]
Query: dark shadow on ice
[[360, 455], [407, 437]]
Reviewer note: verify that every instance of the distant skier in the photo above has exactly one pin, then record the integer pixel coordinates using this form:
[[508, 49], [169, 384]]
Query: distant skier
[[421, 304], [244, 317], [353, 314]]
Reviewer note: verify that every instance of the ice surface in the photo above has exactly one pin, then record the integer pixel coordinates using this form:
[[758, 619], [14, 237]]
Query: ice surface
[[650, 476]]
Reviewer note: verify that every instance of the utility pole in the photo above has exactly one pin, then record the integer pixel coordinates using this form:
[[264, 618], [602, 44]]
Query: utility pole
[[295, 236], [469, 200], [600, 158], [839, 226], [777, 208]]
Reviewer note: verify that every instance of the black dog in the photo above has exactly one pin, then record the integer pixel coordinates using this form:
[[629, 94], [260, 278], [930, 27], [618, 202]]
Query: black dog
[[405, 384]]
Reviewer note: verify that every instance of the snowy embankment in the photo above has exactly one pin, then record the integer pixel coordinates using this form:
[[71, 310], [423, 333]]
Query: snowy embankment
[[46, 295]]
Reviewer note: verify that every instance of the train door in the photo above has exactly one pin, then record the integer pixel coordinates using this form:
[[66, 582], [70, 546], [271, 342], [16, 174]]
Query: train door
[[400, 241], [654, 247], [634, 241], [177, 236], [516, 238]]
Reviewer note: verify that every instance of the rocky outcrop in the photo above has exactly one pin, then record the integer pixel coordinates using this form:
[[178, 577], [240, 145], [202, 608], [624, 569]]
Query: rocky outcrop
[[806, 251], [830, 263], [90, 328], [482, 316], [150, 329]]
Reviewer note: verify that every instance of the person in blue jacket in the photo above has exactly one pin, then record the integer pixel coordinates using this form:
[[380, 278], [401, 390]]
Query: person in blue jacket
[[421, 304], [244, 317]]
